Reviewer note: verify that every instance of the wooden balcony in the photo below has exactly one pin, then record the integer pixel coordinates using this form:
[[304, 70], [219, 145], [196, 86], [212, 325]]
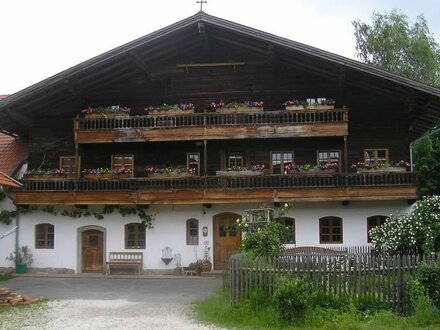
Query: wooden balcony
[[216, 190], [213, 126]]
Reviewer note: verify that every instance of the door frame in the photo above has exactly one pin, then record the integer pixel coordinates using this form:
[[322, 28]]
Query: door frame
[[214, 232], [79, 245]]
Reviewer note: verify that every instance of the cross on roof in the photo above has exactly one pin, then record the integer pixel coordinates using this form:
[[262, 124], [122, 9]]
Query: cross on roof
[[201, 4]]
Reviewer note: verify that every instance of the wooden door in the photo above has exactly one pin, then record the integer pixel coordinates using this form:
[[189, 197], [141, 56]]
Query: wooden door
[[227, 238], [92, 251]]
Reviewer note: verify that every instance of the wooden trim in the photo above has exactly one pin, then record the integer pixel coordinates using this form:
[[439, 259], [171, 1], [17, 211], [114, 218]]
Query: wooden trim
[[125, 157], [329, 151], [198, 164], [209, 65], [139, 244], [375, 150]]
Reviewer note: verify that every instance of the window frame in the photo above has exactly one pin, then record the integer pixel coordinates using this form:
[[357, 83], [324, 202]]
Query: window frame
[[46, 242], [77, 160], [379, 221], [138, 244], [331, 234], [293, 228], [282, 160], [376, 157], [129, 164], [192, 240], [329, 158], [235, 154]]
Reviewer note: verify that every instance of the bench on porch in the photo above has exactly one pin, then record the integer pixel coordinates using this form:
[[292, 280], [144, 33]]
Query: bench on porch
[[125, 259]]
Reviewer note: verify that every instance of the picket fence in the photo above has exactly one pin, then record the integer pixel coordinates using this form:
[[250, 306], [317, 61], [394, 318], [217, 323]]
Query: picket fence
[[356, 272]]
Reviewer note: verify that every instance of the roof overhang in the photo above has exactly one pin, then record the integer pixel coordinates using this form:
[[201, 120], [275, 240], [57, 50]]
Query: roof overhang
[[7, 181]]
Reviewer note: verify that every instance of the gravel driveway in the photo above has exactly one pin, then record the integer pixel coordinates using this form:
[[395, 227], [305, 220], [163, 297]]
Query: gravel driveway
[[108, 303]]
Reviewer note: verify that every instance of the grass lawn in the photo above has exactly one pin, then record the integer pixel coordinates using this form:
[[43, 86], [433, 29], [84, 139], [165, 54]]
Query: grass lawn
[[248, 315]]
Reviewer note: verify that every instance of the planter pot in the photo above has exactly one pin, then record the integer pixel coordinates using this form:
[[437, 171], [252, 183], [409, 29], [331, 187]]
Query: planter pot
[[206, 268], [170, 112], [110, 115], [20, 269], [238, 173], [239, 109], [107, 176], [381, 170]]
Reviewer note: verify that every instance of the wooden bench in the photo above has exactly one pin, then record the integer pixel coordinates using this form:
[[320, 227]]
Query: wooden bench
[[125, 259]]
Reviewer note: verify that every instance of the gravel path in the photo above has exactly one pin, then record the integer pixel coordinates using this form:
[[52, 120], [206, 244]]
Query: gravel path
[[167, 308]]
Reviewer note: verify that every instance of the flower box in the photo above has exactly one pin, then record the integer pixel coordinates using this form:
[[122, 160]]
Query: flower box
[[170, 175], [110, 115], [320, 107], [57, 176], [103, 176], [294, 107], [238, 173], [239, 109], [383, 170], [170, 112]]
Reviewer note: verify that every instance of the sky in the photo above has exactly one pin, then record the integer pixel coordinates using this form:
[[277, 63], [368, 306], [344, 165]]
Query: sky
[[42, 38]]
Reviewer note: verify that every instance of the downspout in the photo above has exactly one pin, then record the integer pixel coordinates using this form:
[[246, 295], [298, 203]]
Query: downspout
[[424, 136]]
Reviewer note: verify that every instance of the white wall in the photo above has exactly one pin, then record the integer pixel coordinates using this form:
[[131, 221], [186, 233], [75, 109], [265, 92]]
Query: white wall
[[7, 244], [170, 226]]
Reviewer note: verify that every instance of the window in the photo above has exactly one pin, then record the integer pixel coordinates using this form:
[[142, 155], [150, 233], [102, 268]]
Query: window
[[123, 161], [193, 162], [134, 236], [44, 236], [329, 156], [235, 159], [376, 156], [281, 162], [70, 165], [374, 221], [330, 230], [290, 234], [192, 232]]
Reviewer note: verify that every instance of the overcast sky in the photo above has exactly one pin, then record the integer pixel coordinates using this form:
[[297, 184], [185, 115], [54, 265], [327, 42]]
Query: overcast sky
[[40, 38]]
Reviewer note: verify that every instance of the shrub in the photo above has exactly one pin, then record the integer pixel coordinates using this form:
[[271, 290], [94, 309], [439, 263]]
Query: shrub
[[428, 275], [291, 297]]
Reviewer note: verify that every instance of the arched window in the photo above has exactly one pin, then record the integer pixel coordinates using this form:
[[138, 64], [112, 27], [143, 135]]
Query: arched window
[[192, 232], [134, 236], [374, 221], [330, 230], [44, 236], [290, 233]]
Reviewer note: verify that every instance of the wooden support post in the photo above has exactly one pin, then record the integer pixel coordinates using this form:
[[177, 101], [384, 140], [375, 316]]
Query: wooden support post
[[345, 155], [205, 157]]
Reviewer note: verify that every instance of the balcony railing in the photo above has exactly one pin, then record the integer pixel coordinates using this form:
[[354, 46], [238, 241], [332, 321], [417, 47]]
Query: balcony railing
[[226, 183], [214, 119]]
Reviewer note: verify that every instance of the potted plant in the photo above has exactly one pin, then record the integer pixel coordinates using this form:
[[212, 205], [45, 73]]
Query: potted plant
[[167, 172], [235, 106], [22, 257], [170, 109], [201, 265], [44, 173]]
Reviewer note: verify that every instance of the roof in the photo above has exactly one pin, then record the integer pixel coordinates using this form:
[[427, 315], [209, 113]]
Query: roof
[[7, 181], [73, 84], [3, 97], [12, 153]]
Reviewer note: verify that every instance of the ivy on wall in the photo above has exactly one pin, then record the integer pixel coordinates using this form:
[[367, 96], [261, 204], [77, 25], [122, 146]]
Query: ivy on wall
[[7, 216]]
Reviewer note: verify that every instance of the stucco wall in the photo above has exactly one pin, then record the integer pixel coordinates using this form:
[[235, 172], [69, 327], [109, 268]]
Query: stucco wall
[[170, 226]]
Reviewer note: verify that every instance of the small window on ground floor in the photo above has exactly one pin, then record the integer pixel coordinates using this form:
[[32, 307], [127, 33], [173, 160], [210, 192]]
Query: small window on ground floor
[[192, 232], [290, 229], [134, 236], [374, 221], [44, 236], [330, 230]]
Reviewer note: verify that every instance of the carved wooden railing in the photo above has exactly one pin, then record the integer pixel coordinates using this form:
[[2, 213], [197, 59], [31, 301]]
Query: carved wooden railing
[[229, 183], [213, 119]]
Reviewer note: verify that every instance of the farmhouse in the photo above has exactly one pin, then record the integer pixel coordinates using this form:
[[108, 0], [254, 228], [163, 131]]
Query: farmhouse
[[159, 145]]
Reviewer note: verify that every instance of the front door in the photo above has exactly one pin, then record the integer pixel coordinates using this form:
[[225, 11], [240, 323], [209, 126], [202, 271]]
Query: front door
[[92, 251], [227, 238]]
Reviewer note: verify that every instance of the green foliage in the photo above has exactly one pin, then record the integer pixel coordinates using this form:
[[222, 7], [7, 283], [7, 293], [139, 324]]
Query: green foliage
[[393, 44], [5, 277], [418, 231], [21, 256], [291, 297], [7, 216], [428, 275], [427, 164]]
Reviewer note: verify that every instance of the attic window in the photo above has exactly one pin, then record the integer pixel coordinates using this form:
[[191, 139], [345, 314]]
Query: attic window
[[209, 65]]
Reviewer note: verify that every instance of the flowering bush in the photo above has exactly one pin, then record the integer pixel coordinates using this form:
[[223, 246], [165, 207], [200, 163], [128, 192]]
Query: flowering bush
[[418, 231], [257, 167], [44, 171], [215, 105], [122, 170], [108, 109], [236, 104], [201, 264], [402, 163], [328, 165], [169, 169], [102, 170], [166, 107], [291, 102]]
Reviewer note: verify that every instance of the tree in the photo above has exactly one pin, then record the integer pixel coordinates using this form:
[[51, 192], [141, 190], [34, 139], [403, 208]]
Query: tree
[[427, 164], [392, 44]]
